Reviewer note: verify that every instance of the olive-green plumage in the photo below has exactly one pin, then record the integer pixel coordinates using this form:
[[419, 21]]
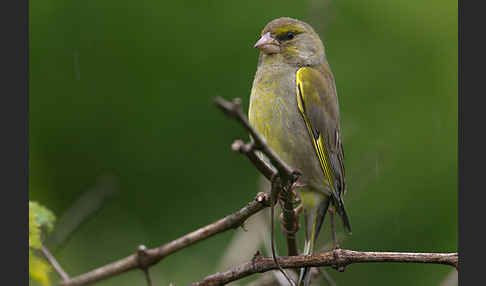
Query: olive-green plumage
[[294, 105]]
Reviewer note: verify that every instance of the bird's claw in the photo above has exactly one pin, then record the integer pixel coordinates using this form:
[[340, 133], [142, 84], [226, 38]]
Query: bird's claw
[[297, 212], [338, 264]]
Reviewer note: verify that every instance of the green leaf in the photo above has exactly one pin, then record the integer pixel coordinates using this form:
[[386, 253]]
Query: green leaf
[[40, 219], [34, 230], [39, 269], [43, 216]]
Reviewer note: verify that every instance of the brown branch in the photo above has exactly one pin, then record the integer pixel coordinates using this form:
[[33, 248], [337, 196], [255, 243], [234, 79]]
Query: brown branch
[[142, 259], [52, 260], [342, 257], [289, 221], [233, 109], [249, 152], [315, 273], [287, 174], [154, 255]]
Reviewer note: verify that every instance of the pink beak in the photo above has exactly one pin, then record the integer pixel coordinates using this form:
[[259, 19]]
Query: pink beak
[[267, 44]]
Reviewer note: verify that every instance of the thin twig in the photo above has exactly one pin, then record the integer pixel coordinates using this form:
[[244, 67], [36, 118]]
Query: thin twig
[[324, 275], [147, 277], [249, 152], [233, 109], [83, 208], [339, 256], [287, 174], [142, 253], [52, 260], [276, 188], [154, 255]]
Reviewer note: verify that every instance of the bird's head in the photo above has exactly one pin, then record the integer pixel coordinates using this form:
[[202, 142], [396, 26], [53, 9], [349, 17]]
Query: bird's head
[[295, 41]]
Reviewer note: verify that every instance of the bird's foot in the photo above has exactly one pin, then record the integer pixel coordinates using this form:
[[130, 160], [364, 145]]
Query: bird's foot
[[297, 212], [296, 194], [338, 263]]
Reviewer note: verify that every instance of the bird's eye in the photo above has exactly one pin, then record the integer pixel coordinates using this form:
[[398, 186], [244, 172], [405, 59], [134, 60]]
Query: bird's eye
[[286, 36]]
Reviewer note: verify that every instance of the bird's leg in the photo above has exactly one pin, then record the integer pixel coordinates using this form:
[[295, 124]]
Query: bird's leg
[[298, 199], [296, 196], [335, 248], [297, 185], [332, 211]]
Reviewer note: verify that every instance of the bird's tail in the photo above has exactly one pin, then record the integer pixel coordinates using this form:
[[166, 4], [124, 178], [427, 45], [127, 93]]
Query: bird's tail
[[314, 217], [339, 205]]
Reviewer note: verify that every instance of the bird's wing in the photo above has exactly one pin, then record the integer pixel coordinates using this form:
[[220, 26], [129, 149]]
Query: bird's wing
[[318, 104]]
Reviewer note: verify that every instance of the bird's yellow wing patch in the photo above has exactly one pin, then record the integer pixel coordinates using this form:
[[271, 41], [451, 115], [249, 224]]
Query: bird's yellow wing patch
[[307, 94]]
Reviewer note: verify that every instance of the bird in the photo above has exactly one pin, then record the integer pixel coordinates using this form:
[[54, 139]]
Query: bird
[[294, 106]]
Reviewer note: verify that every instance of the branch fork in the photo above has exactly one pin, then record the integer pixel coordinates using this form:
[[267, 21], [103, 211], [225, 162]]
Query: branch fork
[[283, 179]]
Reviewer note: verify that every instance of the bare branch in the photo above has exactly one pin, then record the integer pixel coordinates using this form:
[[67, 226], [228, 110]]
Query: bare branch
[[275, 191], [154, 255], [233, 109], [340, 257], [142, 253], [248, 151], [289, 221], [287, 174], [47, 254], [315, 273]]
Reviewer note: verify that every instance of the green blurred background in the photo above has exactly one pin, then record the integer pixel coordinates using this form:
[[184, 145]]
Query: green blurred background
[[126, 87]]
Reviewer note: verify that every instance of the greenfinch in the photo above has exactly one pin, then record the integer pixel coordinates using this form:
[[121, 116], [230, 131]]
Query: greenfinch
[[294, 106]]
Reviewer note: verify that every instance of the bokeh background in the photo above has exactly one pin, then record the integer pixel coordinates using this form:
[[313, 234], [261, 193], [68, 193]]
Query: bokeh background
[[125, 88]]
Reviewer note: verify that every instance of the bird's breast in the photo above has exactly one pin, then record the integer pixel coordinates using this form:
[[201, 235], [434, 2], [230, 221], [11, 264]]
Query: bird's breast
[[273, 109], [274, 113]]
